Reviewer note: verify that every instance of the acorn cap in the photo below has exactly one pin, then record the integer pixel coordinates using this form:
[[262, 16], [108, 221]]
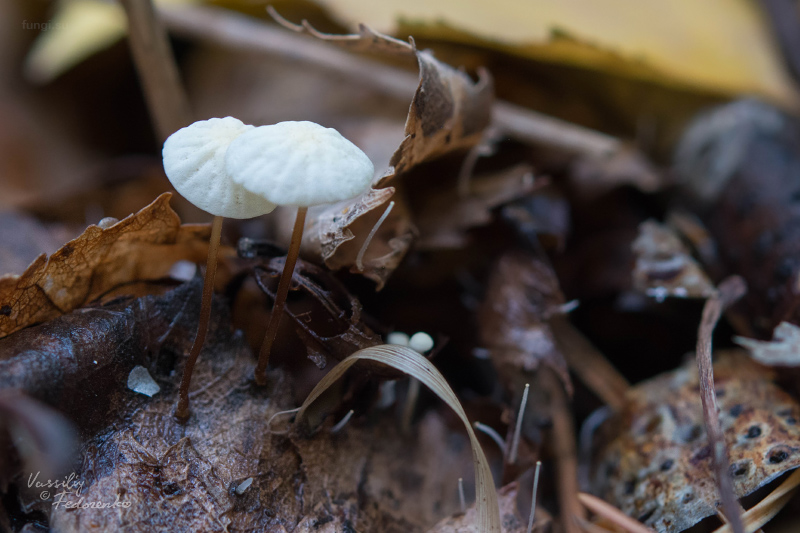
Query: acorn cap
[[299, 164], [194, 160]]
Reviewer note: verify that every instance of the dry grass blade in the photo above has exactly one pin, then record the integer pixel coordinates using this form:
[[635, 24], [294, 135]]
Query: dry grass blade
[[609, 512], [767, 508], [412, 363]]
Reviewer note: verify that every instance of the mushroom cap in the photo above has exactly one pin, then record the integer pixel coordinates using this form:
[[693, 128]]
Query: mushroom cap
[[194, 160], [421, 342], [299, 164]]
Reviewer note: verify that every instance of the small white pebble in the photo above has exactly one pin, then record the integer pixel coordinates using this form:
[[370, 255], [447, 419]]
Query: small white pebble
[[244, 485], [139, 380], [397, 337], [421, 342]]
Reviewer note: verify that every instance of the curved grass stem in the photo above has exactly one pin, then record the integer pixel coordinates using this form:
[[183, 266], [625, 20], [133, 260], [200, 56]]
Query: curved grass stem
[[182, 411], [280, 297]]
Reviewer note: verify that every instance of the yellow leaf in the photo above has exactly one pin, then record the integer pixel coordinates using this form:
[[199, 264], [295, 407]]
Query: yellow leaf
[[718, 46], [78, 30]]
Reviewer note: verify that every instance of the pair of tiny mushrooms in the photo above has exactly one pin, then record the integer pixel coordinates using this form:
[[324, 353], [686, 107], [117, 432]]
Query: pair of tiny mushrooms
[[231, 169]]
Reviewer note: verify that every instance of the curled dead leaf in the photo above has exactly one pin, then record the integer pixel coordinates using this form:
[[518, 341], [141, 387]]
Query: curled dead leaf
[[782, 350], [143, 246], [664, 265], [522, 295], [448, 112], [330, 323]]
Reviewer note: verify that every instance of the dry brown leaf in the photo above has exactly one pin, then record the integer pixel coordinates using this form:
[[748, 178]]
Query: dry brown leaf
[[367, 477], [658, 468], [740, 161], [447, 113], [444, 218], [522, 294], [143, 246], [664, 265]]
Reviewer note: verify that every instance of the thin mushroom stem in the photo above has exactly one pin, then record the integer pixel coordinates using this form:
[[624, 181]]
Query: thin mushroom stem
[[280, 296], [182, 411], [532, 516]]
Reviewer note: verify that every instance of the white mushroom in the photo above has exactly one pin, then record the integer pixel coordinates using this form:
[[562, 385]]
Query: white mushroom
[[194, 161], [421, 342], [299, 164]]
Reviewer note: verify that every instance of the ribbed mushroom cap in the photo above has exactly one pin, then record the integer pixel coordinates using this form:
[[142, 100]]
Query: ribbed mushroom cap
[[299, 164], [194, 160]]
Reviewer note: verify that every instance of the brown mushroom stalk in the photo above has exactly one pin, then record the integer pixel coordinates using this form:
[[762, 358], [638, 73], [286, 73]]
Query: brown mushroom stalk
[[280, 296], [182, 411]]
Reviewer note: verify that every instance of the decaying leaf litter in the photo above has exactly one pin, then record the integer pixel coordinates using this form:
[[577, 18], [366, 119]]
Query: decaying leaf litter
[[553, 264]]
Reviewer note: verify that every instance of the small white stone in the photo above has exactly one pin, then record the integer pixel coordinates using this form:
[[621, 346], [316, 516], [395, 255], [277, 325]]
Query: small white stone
[[139, 380], [244, 485]]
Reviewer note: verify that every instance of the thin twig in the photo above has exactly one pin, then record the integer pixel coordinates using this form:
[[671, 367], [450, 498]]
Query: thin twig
[[246, 33], [566, 454], [728, 292], [163, 91], [590, 365], [767, 508], [611, 513]]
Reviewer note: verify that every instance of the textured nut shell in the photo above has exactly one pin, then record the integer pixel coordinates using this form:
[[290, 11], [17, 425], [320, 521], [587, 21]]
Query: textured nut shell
[[194, 160], [299, 164]]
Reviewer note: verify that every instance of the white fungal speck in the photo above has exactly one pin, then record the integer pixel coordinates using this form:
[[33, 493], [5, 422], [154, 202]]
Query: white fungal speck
[[244, 485], [183, 270], [397, 337], [139, 380], [421, 342]]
